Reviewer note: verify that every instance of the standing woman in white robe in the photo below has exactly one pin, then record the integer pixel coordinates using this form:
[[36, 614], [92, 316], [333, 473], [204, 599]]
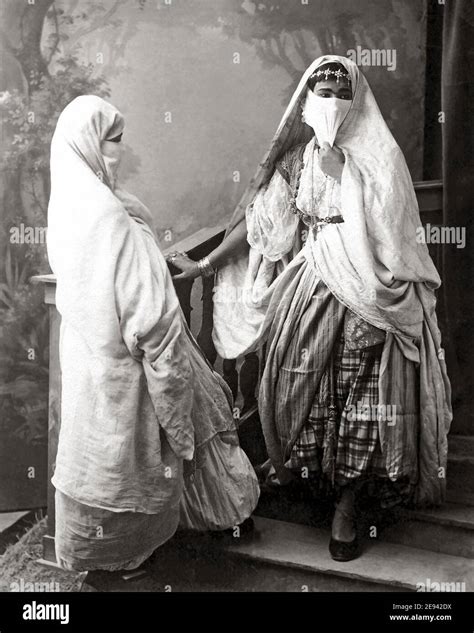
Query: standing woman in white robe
[[138, 397]]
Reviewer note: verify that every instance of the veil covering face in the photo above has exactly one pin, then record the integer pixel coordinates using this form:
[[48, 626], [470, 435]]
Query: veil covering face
[[372, 263], [127, 363], [368, 262]]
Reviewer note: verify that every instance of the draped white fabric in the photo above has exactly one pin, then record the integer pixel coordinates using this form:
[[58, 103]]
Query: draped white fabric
[[121, 321], [317, 195], [372, 263], [138, 396], [371, 260], [270, 226]]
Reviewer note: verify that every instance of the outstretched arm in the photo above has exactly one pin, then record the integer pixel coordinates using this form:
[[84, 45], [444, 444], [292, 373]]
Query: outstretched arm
[[269, 227], [232, 244]]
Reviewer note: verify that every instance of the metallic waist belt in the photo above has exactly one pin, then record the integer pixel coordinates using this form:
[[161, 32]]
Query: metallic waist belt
[[330, 219], [319, 223]]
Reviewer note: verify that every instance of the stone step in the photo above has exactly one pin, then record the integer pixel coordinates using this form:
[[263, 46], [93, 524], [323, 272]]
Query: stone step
[[448, 530], [461, 445], [282, 556], [8, 519], [461, 472], [13, 525], [461, 463], [382, 564], [450, 514], [459, 496]]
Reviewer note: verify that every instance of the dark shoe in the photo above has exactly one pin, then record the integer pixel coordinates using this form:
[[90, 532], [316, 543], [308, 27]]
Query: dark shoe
[[247, 526], [344, 551]]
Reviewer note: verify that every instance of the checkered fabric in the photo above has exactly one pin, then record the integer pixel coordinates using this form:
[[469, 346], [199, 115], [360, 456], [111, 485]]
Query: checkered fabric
[[352, 449]]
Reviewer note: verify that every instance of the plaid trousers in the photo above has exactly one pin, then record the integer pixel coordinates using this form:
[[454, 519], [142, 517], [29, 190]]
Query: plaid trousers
[[353, 445]]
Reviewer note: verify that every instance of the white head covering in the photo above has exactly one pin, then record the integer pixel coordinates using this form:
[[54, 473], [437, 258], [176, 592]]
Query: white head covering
[[126, 378], [76, 149], [370, 260], [371, 263]]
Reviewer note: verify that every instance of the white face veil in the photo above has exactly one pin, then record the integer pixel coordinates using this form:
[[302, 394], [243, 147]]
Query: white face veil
[[78, 165], [82, 126], [325, 116], [118, 306], [370, 260], [372, 263]]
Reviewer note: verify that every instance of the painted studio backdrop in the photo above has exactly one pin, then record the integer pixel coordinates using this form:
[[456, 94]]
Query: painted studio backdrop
[[202, 85]]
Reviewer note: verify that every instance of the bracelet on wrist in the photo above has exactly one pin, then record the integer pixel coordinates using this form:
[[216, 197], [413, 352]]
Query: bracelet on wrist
[[205, 267]]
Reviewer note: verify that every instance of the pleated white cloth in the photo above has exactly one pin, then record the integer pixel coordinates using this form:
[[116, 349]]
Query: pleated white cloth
[[138, 396]]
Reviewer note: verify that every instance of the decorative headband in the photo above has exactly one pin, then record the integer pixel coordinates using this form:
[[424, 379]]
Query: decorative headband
[[337, 73]]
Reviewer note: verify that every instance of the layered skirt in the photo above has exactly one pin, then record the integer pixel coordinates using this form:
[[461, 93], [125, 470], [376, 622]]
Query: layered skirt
[[319, 398], [220, 490]]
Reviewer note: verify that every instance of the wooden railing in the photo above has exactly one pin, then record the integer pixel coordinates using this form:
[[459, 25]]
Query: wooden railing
[[243, 381], [241, 375]]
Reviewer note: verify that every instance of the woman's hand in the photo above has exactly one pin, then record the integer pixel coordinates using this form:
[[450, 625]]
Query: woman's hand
[[188, 266], [331, 161]]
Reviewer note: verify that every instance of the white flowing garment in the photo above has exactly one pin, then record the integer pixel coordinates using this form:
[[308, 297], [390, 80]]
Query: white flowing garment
[[370, 262], [138, 396]]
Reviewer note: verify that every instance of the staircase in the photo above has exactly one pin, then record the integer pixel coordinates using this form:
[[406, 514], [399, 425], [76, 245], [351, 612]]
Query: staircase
[[429, 546], [409, 548], [295, 557], [461, 469], [449, 529], [283, 556]]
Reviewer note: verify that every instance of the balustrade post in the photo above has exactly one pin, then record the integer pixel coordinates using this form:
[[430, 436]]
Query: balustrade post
[[183, 289], [204, 338], [429, 197], [249, 380], [230, 375], [54, 414]]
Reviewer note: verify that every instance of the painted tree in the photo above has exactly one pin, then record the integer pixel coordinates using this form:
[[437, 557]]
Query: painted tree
[[40, 47], [290, 35], [38, 78]]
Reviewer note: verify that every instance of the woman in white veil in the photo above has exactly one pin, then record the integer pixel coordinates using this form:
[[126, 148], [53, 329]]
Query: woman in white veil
[[147, 440], [321, 263]]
